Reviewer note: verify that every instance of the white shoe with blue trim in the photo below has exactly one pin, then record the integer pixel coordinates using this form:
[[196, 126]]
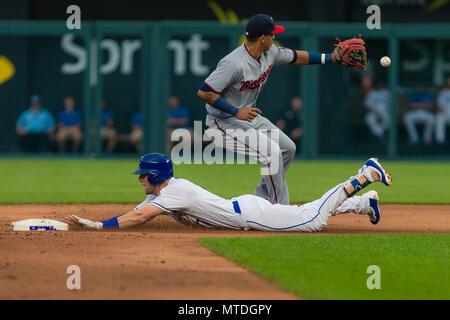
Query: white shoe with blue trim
[[374, 172], [374, 210]]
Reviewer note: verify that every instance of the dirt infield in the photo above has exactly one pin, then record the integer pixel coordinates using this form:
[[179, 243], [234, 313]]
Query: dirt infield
[[159, 260]]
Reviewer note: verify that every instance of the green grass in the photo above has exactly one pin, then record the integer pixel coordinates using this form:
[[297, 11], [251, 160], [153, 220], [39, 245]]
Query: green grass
[[110, 181], [335, 267]]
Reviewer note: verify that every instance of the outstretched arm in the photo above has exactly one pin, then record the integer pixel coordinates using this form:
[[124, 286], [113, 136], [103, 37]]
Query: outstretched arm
[[347, 53], [309, 57], [129, 219]]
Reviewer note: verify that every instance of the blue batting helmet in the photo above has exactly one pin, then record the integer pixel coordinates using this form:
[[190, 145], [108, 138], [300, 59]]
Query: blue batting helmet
[[157, 165]]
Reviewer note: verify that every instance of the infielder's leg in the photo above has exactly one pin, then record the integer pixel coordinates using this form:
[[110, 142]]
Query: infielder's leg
[[242, 138], [313, 216], [287, 148]]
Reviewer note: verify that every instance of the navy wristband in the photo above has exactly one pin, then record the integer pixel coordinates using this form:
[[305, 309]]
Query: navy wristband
[[314, 57], [319, 58], [224, 106], [111, 223]]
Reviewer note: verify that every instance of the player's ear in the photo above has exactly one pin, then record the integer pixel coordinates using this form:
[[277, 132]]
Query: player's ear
[[261, 38]]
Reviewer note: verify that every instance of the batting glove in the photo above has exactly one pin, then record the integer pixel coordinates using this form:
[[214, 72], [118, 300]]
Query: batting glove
[[88, 223]]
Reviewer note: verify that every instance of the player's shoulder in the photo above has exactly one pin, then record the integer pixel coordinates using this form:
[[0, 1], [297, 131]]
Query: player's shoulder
[[276, 49], [26, 112], [46, 112], [177, 185], [444, 91], [233, 58]]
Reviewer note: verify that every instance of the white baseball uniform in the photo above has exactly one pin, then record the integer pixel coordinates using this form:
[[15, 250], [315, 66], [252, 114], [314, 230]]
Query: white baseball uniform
[[239, 79], [189, 203]]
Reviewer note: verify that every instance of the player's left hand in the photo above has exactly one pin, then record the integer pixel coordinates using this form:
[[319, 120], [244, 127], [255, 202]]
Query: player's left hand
[[248, 113], [73, 219], [350, 53]]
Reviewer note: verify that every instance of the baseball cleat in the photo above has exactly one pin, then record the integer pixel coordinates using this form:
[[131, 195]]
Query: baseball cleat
[[374, 172], [374, 210]]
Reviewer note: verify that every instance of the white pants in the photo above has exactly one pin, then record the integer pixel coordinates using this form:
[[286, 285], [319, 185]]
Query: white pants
[[411, 118], [260, 214], [378, 122], [442, 119]]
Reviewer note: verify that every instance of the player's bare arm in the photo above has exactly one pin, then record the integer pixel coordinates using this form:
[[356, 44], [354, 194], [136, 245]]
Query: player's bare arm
[[245, 113], [208, 96], [129, 219], [139, 216]]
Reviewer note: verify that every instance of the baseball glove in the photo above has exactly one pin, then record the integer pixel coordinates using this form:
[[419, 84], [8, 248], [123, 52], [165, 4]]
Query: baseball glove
[[350, 53]]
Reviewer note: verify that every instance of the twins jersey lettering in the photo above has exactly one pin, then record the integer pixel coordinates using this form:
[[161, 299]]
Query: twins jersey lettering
[[239, 77]]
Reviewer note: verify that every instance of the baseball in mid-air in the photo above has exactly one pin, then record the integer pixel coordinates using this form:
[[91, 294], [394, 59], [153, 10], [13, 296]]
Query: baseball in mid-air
[[385, 61]]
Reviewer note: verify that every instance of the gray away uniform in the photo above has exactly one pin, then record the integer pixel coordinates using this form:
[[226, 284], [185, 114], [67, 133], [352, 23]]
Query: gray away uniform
[[239, 79]]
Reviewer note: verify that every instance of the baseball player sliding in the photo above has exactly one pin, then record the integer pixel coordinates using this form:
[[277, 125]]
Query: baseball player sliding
[[232, 89], [189, 203]]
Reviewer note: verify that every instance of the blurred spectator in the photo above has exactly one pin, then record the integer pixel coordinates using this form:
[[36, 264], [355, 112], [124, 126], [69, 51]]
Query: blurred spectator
[[290, 122], [443, 115], [178, 114], [366, 83], [69, 126], [420, 112], [378, 102], [107, 131], [34, 127], [178, 118], [136, 129]]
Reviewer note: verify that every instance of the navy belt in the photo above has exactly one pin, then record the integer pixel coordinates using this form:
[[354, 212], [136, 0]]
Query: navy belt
[[236, 207]]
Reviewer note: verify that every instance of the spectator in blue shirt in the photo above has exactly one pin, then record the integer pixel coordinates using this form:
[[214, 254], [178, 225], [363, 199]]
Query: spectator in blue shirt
[[107, 131], [178, 118], [420, 112], [69, 126], [136, 129], [35, 127], [178, 114]]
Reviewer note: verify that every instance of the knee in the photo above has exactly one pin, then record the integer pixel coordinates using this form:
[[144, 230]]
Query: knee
[[78, 137], [406, 118], [319, 224], [271, 157], [275, 153], [60, 136], [291, 149]]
